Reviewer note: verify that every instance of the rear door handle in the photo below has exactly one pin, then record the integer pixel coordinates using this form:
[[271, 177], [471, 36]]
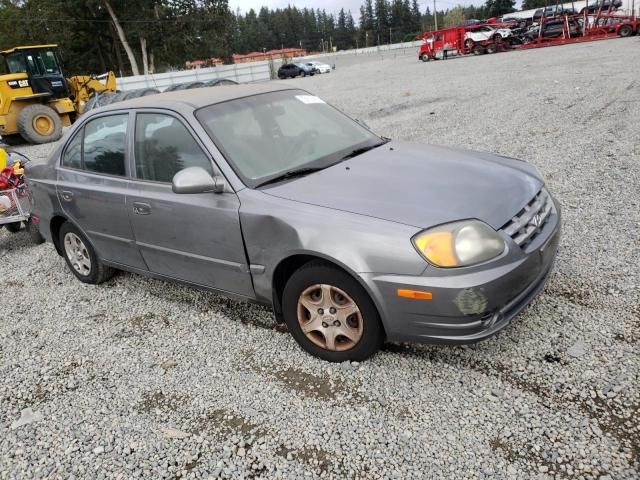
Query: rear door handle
[[141, 208], [66, 195]]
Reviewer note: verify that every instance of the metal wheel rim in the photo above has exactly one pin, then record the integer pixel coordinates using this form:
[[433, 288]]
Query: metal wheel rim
[[77, 254], [329, 317], [43, 124]]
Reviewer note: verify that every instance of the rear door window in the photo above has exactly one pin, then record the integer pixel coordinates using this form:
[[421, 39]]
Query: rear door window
[[104, 146], [72, 157]]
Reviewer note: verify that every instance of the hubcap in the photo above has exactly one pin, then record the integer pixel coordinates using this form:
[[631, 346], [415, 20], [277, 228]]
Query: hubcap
[[77, 254], [43, 124], [329, 318]]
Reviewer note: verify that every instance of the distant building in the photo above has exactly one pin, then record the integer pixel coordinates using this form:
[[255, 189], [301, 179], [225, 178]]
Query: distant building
[[250, 57]]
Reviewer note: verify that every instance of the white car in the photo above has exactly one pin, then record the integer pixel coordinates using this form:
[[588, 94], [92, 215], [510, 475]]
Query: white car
[[320, 67], [486, 32]]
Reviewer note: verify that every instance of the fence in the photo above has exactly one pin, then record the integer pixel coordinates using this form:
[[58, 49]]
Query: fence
[[242, 72]]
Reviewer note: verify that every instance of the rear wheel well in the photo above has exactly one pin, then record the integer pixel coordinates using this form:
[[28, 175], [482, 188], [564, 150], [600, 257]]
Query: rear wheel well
[[56, 223]]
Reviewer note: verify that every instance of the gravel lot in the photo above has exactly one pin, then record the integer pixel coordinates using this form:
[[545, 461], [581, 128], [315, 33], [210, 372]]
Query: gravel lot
[[139, 378]]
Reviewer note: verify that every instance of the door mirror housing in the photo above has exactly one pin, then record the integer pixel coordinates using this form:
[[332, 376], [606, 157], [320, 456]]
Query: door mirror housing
[[196, 180]]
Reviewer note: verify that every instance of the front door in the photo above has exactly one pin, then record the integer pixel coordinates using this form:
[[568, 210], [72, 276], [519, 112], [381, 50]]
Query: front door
[[190, 237], [92, 186]]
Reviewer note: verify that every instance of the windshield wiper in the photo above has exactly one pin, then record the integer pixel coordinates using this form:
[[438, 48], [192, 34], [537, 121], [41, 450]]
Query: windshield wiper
[[299, 172], [361, 150]]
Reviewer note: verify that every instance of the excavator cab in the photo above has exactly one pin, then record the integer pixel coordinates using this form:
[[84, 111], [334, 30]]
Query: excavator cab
[[42, 66]]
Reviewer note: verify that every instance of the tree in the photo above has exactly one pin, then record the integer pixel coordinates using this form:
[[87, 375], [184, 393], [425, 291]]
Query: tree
[[531, 4], [123, 38], [497, 8], [382, 22]]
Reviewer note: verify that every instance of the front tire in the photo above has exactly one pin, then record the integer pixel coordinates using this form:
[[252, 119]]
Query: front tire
[[330, 314], [81, 258]]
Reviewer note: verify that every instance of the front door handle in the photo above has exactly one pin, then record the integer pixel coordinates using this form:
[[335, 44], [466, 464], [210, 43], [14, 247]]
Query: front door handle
[[66, 195], [141, 208]]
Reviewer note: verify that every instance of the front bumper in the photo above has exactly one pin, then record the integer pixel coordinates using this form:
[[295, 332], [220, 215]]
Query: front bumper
[[465, 307]]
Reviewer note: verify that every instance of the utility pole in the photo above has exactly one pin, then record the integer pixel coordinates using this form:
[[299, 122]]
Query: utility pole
[[389, 35], [435, 13]]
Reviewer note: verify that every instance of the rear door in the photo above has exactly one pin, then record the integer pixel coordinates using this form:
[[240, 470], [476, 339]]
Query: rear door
[[93, 179], [191, 237]]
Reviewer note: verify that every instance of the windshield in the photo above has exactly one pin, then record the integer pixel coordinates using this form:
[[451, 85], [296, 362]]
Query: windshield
[[264, 136]]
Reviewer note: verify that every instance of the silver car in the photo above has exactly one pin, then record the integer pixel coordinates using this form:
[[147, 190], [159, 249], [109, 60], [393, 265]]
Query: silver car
[[266, 193]]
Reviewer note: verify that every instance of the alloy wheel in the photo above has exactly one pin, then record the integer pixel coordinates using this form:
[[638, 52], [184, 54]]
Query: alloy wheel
[[329, 317], [77, 254]]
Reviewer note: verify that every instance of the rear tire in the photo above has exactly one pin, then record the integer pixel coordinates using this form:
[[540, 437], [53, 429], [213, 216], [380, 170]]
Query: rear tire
[[80, 256], [365, 321], [34, 232], [625, 31], [39, 124]]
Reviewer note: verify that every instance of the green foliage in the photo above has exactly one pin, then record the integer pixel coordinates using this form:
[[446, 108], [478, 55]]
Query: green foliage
[[175, 31], [531, 4], [497, 8]]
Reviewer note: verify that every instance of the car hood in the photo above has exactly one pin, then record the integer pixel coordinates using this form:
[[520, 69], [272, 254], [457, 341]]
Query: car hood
[[419, 185]]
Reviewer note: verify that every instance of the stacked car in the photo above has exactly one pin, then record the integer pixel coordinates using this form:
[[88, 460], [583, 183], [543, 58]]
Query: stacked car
[[551, 25]]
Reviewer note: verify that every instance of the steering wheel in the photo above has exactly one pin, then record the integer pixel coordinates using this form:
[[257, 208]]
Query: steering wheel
[[304, 137]]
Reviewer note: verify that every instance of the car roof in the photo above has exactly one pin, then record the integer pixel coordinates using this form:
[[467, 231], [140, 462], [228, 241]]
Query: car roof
[[197, 97]]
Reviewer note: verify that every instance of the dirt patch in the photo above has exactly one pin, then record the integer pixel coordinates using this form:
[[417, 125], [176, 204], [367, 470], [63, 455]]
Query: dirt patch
[[623, 426], [148, 320], [166, 402], [572, 293], [228, 423], [526, 455], [321, 387], [403, 106], [317, 458]]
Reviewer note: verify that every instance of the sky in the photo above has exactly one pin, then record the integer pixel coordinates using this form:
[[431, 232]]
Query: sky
[[335, 5]]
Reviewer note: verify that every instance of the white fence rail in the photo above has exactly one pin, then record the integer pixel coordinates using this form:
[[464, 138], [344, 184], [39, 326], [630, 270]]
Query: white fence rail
[[241, 72]]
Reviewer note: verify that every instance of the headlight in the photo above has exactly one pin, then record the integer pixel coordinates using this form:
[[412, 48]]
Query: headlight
[[459, 244]]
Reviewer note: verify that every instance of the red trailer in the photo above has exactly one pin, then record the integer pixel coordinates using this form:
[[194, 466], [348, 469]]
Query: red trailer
[[457, 41], [491, 38]]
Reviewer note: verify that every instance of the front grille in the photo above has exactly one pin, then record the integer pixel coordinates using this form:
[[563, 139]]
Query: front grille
[[529, 221]]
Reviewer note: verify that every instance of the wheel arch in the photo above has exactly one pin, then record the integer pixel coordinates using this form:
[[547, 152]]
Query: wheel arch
[[290, 264], [54, 227]]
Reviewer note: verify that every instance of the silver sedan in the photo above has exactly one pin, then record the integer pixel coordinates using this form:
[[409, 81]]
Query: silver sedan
[[267, 194]]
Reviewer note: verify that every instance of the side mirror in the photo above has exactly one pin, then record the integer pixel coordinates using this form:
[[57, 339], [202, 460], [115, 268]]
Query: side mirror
[[196, 180]]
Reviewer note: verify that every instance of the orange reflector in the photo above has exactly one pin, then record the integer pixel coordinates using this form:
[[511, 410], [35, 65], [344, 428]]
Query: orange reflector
[[415, 294]]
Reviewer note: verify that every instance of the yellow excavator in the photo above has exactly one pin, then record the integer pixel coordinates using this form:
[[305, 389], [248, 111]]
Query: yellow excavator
[[36, 100]]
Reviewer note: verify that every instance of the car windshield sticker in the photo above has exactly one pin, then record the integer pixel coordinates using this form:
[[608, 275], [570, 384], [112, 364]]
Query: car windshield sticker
[[308, 99]]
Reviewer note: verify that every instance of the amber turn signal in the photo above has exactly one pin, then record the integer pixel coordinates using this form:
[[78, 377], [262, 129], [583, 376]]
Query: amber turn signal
[[415, 294]]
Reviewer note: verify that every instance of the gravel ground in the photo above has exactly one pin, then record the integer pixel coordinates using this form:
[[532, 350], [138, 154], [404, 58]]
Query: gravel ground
[[141, 378]]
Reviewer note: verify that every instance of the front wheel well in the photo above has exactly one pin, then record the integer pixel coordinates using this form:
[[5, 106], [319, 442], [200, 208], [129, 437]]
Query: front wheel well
[[56, 223], [289, 265]]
